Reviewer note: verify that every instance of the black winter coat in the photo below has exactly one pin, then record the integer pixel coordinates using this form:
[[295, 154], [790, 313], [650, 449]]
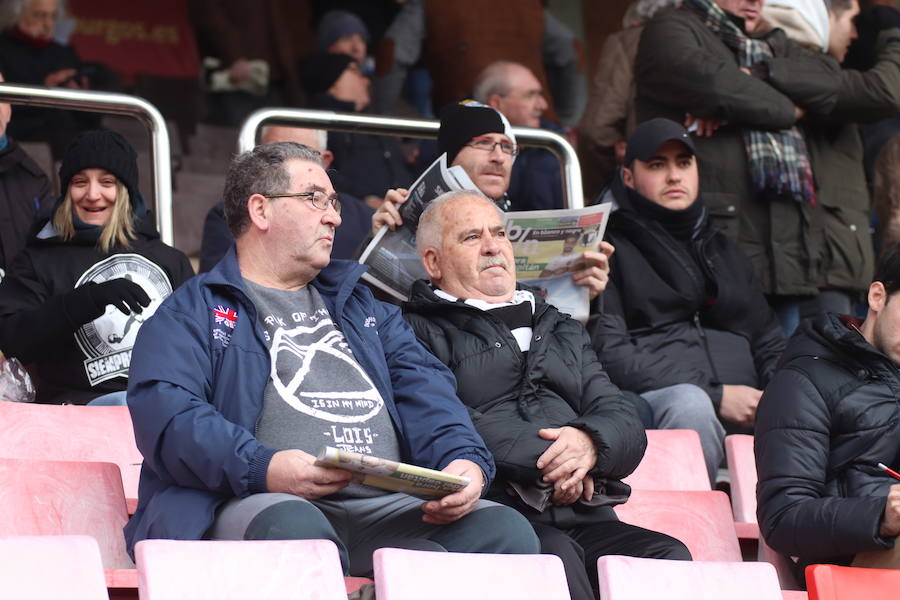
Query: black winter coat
[[671, 316], [39, 315], [24, 198], [827, 418], [511, 395]]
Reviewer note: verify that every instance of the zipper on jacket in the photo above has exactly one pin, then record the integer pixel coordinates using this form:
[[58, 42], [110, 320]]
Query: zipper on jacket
[[702, 333]]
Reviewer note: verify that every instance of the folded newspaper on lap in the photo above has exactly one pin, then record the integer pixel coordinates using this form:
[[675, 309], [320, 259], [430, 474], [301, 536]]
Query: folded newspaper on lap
[[391, 256], [391, 475]]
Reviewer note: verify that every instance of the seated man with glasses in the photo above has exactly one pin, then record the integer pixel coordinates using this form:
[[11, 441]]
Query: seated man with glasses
[[247, 371], [479, 139]]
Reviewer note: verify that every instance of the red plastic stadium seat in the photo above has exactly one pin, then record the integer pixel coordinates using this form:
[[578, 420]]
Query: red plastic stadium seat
[[701, 520], [51, 568], [68, 498], [413, 575], [831, 582], [88, 433], [673, 461], [742, 470], [225, 570], [629, 578]]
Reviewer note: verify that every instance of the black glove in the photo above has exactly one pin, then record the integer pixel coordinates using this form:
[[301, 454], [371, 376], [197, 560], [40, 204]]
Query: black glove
[[122, 293]]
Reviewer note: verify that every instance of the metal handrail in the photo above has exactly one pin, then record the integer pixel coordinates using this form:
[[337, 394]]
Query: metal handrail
[[573, 196], [111, 103]]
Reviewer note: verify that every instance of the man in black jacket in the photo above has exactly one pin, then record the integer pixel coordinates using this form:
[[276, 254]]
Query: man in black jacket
[[828, 417], [561, 434], [684, 321]]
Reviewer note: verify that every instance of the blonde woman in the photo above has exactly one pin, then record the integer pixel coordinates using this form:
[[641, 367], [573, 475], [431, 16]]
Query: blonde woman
[[74, 298]]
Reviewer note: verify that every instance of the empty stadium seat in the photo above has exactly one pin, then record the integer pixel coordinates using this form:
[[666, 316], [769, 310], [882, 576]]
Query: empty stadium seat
[[831, 582], [51, 568], [701, 520], [742, 470], [88, 433], [673, 461], [414, 574], [226, 570], [68, 498], [629, 578]]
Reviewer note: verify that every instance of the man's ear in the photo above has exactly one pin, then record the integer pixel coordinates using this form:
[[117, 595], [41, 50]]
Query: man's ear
[[258, 209], [628, 177], [495, 101], [877, 296], [430, 262], [327, 158]]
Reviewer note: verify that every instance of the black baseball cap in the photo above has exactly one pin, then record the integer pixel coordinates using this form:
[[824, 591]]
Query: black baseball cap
[[650, 135]]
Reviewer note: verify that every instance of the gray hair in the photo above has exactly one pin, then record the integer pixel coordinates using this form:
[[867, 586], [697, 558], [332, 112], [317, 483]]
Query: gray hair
[[641, 11], [431, 226], [11, 11], [493, 79], [260, 171]]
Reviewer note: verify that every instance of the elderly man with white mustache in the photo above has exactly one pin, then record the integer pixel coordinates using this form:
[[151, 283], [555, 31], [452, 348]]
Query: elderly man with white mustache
[[562, 435]]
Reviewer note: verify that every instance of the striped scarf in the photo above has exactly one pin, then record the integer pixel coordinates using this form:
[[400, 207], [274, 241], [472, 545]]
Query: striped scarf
[[779, 161]]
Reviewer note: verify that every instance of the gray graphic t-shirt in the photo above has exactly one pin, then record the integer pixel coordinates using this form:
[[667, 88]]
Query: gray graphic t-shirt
[[317, 395]]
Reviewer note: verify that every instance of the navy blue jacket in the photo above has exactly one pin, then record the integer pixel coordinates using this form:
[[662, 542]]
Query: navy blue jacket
[[195, 395]]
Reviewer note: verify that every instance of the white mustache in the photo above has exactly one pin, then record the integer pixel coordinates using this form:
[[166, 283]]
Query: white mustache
[[493, 261]]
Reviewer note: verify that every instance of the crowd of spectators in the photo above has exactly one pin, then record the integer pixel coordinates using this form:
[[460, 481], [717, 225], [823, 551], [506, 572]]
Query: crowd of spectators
[[748, 147]]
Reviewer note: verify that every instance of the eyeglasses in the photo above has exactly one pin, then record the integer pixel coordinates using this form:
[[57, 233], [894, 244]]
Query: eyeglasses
[[317, 199], [488, 145]]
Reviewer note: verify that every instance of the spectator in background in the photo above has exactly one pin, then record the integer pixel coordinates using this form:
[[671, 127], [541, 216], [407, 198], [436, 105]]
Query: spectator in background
[[828, 417], [684, 322], [29, 54], [701, 65], [478, 139], [562, 435], [457, 40], [342, 32], [882, 138], [355, 215], [366, 165], [24, 193], [74, 299], [512, 89], [255, 45], [609, 117], [234, 383], [835, 145]]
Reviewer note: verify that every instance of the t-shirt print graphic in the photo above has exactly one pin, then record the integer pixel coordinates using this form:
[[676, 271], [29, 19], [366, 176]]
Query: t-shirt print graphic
[[327, 383]]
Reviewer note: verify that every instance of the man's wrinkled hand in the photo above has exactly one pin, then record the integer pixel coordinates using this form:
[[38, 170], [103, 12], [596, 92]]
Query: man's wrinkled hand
[[890, 524], [387, 213], [458, 504], [295, 472], [569, 458], [595, 273]]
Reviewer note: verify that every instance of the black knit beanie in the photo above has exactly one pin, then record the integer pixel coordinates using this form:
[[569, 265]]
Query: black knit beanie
[[465, 120], [106, 150], [320, 70]]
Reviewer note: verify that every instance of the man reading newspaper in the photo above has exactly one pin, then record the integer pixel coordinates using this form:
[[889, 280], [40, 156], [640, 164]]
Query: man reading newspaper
[[246, 372], [562, 435], [479, 139]]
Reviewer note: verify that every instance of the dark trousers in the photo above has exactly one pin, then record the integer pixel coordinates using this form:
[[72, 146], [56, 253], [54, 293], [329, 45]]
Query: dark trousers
[[580, 547]]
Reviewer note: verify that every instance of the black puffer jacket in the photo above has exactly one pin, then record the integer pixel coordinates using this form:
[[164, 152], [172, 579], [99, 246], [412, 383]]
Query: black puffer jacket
[[511, 395], [671, 316], [827, 418], [24, 198]]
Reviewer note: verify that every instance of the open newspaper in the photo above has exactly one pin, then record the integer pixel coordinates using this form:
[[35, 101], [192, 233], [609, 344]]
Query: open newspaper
[[391, 475], [391, 256], [548, 245]]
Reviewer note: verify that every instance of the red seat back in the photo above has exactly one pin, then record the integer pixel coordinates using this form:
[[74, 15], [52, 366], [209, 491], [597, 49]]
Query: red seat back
[[50, 568], [831, 582], [673, 461]]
